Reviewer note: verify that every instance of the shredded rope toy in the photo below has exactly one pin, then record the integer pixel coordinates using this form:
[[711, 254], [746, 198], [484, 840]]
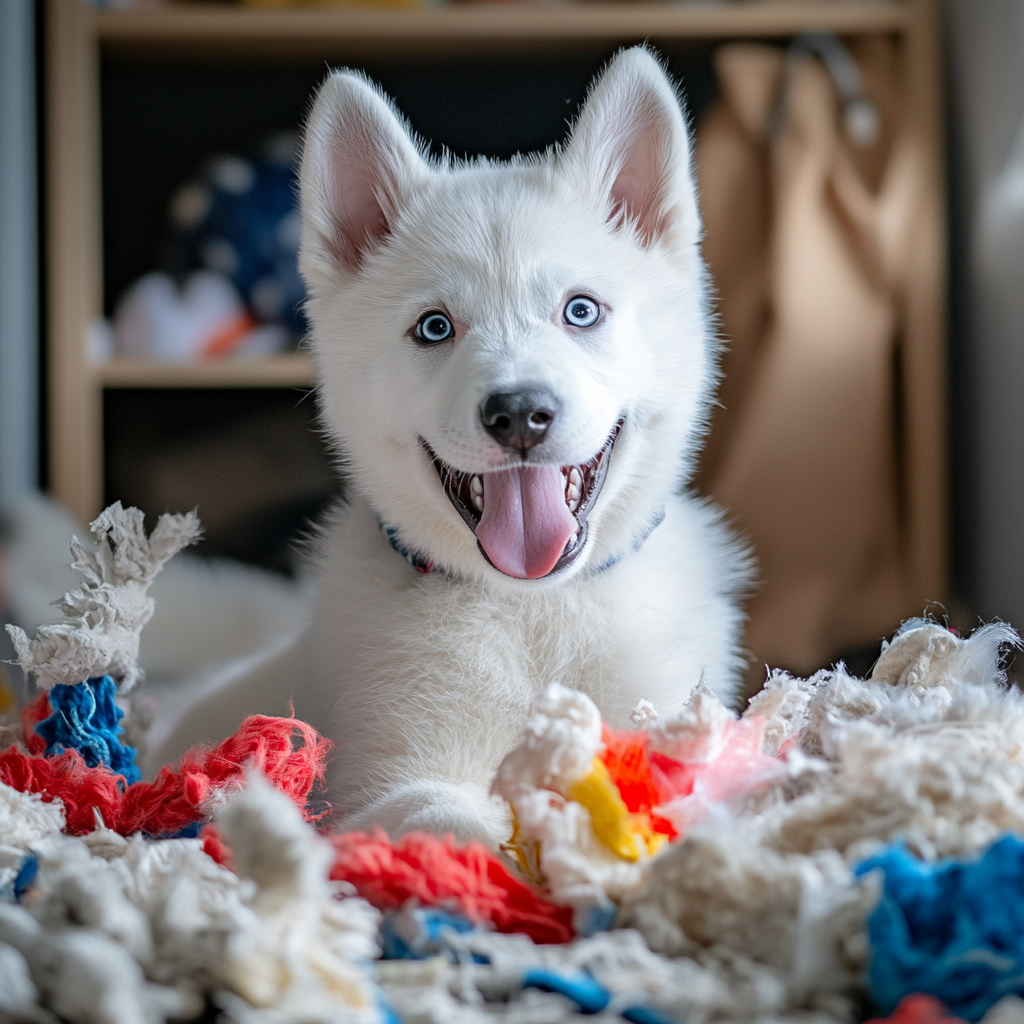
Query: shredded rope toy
[[718, 849]]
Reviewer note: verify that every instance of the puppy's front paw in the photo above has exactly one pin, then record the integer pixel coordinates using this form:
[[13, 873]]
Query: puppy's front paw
[[466, 812]]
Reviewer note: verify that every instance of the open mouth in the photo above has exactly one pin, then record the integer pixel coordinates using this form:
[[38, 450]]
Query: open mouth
[[529, 521]]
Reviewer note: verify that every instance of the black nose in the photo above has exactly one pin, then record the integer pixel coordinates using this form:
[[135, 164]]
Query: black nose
[[519, 419]]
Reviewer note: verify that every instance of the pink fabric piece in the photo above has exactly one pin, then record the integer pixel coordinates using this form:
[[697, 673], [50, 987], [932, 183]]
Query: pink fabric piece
[[736, 765], [525, 523]]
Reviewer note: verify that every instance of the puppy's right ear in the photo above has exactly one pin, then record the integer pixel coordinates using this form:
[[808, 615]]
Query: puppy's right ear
[[358, 159]]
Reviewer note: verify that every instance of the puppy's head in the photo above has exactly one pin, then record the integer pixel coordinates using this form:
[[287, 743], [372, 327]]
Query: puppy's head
[[515, 358]]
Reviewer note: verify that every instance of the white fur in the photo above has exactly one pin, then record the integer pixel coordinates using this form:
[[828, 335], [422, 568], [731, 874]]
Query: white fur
[[424, 681]]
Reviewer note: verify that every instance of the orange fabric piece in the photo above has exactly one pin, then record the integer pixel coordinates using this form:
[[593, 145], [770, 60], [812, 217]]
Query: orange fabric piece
[[226, 340], [625, 757]]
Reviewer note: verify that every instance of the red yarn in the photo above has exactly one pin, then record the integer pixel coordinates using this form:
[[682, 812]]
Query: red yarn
[[436, 872], [919, 1008], [68, 778], [214, 846], [34, 712], [289, 753]]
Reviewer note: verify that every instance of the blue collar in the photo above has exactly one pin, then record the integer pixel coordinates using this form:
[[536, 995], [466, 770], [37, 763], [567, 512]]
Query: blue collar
[[416, 559], [421, 563]]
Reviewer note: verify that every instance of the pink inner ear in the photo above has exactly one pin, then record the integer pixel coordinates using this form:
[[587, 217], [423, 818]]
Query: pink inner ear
[[640, 190], [360, 176]]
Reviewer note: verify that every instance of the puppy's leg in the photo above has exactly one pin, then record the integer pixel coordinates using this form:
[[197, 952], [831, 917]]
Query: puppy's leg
[[463, 810]]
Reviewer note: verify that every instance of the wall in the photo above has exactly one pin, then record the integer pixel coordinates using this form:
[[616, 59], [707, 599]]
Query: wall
[[18, 253], [986, 88]]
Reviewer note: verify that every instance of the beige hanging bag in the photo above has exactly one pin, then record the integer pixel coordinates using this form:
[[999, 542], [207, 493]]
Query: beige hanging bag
[[805, 237]]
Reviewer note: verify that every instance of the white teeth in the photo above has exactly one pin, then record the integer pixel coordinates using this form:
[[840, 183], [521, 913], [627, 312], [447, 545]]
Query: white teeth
[[476, 492], [573, 489]]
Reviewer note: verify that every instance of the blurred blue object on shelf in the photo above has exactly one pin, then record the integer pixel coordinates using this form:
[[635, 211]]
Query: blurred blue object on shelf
[[240, 218]]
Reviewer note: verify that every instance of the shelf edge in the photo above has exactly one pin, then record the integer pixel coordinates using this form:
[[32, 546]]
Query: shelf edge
[[506, 25], [275, 372]]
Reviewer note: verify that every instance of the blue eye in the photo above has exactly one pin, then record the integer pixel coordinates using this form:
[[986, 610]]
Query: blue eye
[[581, 311], [434, 327]]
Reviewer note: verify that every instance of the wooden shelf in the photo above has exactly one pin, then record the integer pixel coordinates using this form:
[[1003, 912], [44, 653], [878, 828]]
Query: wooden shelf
[[222, 29], [273, 372], [79, 39]]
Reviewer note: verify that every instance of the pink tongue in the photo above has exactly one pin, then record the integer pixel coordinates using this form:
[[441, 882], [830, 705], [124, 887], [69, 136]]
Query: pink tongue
[[525, 523]]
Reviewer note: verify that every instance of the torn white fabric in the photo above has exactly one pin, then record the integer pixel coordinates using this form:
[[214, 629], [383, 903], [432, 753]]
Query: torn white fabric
[[929, 751], [135, 931], [753, 915], [103, 618], [557, 746], [26, 821]]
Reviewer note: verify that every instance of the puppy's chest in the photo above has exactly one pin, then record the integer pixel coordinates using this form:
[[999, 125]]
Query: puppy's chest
[[448, 643]]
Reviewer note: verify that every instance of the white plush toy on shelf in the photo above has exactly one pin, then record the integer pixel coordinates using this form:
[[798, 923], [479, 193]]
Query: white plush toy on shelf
[[205, 320]]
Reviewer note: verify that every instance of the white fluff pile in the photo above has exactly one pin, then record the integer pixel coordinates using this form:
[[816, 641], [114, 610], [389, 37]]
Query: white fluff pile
[[134, 931], [753, 915], [760, 893]]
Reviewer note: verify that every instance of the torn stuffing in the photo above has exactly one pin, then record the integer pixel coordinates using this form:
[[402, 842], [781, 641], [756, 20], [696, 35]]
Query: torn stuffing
[[104, 617]]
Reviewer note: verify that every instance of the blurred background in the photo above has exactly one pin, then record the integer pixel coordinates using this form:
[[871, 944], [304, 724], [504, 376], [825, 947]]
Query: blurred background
[[861, 168]]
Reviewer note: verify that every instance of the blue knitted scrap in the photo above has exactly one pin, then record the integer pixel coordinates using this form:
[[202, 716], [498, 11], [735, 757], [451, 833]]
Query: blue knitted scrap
[[579, 986], [25, 877], [417, 933], [589, 995], [86, 718], [953, 929]]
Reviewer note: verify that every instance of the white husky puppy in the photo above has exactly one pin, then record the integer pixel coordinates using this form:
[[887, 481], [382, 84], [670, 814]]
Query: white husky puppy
[[516, 364]]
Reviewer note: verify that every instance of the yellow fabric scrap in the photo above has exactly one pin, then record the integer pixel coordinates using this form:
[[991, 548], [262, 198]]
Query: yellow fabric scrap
[[609, 817]]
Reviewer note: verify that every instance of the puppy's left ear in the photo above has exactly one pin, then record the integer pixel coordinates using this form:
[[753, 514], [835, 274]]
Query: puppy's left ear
[[631, 149]]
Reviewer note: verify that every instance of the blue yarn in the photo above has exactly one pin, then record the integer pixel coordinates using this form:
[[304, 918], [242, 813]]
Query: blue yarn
[[579, 986], [86, 718], [418, 933], [645, 1015], [388, 1015], [25, 877], [591, 920], [953, 929], [588, 994], [189, 831]]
